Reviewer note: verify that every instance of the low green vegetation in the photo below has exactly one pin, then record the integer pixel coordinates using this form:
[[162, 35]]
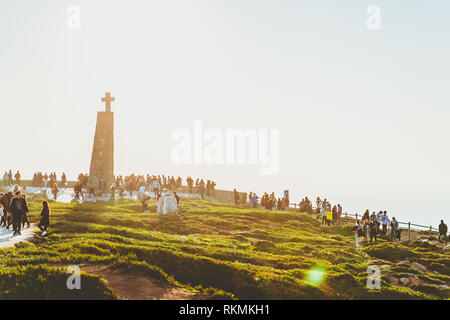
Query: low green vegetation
[[211, 248]]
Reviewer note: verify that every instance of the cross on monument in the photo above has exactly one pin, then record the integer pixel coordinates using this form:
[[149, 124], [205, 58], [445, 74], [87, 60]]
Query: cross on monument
[[107, 100]]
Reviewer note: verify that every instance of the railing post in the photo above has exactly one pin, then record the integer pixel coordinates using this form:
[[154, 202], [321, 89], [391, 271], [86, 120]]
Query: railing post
[[431, 228], [409, 231]]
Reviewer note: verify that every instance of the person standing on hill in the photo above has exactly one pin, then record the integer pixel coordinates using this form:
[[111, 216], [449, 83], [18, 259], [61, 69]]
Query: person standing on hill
[[113, 192], [177, 198], [443, 231], [339, 213], [318, 204], [25, 218], [10, 178], [324, 214], [201, 188], [55, 191], [379, 220], [254, 200], [17, 176], [18, 208], [373, 229], [190, 183], [236, 197], [384, 221], [78, 189], [394, 229], [63, 180], [45, 218], [334, 214], [45, 179]]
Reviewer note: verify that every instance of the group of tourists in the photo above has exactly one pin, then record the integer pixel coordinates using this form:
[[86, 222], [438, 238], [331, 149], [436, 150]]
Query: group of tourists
[[155, 183], [368, 227], [45, 180], [140, 184], [331, 215], [271, 202], [268, 202], [10, 179], [14, 207], [14, 212]]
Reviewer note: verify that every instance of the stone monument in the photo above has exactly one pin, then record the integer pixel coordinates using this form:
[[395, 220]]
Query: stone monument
[[101, 173]]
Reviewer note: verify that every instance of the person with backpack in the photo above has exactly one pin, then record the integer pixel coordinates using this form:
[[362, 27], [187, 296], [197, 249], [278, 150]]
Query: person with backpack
[[443, 231]]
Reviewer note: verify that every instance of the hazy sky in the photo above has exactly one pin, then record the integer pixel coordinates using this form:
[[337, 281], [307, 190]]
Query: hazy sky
[[363, 114]]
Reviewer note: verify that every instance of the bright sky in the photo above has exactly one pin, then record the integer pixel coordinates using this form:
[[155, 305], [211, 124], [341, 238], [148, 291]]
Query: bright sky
[[363, 114]]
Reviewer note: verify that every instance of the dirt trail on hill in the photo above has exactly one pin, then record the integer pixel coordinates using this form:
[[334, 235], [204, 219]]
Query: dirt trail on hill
[[136, 286]]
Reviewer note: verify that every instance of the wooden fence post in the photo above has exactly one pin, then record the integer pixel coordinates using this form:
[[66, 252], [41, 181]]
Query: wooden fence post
[[409, 231], [431, 228]]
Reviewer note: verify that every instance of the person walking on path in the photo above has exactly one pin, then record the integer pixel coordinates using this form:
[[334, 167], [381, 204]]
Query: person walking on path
[[45, 218], [443, 231], [25, 218]]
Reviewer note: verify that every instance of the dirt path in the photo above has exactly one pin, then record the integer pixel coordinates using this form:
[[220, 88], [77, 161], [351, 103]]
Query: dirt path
[[136, 286]]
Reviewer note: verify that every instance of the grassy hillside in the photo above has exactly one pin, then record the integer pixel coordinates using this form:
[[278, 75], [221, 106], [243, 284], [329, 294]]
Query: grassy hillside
[[219, 250]]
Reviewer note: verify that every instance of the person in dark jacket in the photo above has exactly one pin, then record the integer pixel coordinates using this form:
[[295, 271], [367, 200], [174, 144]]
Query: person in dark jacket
[[18, 208], [373, 229], [443, 231], [25, 218], [45, 218]]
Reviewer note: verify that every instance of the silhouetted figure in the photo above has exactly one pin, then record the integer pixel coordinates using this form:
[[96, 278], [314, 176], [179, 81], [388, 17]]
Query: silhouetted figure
[[443, 231], [236, 197], [45, 218]]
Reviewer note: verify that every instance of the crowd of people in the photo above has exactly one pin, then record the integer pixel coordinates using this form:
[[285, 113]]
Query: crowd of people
[[9, 178], [157, 183], [14, 212], [370, 226], [48, 180], [367, 229], [268, 202], [14, 208]]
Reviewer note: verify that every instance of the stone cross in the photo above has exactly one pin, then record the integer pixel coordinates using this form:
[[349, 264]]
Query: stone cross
[[107, 100]]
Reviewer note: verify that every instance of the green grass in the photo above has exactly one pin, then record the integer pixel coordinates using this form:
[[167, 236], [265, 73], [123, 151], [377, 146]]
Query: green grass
[[211, 248]]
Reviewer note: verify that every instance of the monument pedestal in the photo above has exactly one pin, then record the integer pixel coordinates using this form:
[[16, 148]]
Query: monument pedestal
[[102, 161]]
